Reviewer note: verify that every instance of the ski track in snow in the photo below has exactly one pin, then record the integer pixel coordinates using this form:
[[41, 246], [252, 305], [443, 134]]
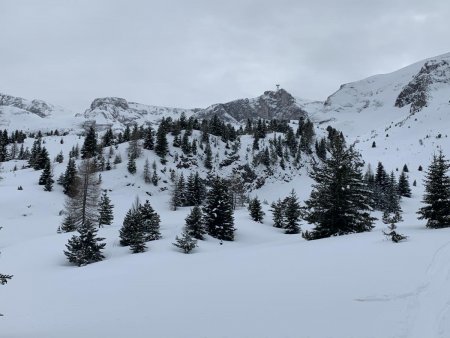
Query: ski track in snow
[[428, 306]]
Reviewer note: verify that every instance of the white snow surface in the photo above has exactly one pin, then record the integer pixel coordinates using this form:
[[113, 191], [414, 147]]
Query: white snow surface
[[265, 283]]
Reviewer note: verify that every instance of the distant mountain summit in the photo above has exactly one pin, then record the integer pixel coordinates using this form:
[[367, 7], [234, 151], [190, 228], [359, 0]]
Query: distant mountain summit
[[271, 105], [118, 112]]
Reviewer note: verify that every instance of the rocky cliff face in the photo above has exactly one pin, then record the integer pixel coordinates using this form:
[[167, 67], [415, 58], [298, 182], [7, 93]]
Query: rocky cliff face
[[118, 112], [272, 104], [38, 107], [417, 92]]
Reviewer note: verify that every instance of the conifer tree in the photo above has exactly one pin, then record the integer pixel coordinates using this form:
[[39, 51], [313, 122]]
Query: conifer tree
[[68, 224], [131, 224], [85, 248], [218, 211], [340, 201], [149, 139], [105, 210], [146, 173], [437, 193], [403, 185], [70, 178], [137, 239], [277, 210], [392, 197], [194, 223], [46, 178], [208, 156], [89, 148], [131, 166], [292, 213], [186, 242], [155, 178], [254, 207], [150, 222], [161, 147]]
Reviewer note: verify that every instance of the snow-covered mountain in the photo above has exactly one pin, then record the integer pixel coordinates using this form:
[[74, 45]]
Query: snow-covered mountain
[[266, 283], [271, 105], [118, 112], [20, 113]]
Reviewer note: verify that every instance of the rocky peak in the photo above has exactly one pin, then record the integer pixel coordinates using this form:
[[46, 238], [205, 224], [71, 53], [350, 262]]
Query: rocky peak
[[417, 91], [38, 107], [272, 104]]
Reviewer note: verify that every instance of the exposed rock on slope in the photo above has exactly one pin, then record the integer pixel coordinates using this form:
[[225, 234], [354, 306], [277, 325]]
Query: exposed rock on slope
[[272, 104]]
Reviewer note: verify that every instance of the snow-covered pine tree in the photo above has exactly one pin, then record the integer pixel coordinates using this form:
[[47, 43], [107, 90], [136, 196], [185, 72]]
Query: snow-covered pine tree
[[218, 211], [403, 185], [137, 238], [85, 248], [277, 210], [89, 148], [208, 156], [161, 147], [340, 201], [194, 223], [155, 178], [437, 193], [131, 166], [70, 179], [46, 178], [392, 197], [292, 213], [131, 222], [149, 139], [68, 224], [380, 187], [391, 219], [150, 222], [186, 242], [146, 172], [105, 210], [255, 209]]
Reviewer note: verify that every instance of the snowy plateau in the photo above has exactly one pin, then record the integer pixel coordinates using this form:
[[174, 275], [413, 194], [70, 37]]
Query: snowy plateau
[[265, 283]]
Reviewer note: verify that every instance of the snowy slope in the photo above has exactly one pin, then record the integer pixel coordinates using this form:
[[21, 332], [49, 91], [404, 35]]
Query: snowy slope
[[117, 112], [19, 113], [266, 283]]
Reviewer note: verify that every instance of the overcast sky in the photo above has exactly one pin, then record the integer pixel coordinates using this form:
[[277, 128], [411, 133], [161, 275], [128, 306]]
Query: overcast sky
[[191, 53]]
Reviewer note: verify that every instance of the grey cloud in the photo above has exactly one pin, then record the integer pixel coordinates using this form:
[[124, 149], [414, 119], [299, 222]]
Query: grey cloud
[[195, 53]]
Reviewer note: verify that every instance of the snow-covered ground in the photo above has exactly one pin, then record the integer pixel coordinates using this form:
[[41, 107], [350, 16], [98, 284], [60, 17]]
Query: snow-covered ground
[[265, 284]]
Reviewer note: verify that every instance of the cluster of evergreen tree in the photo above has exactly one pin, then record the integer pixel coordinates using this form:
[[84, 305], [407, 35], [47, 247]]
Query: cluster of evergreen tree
[[387, 191], [286, 214], [9, 146], [437, 193], [39, 156], [188, 193], [340, 202], [141, 225]]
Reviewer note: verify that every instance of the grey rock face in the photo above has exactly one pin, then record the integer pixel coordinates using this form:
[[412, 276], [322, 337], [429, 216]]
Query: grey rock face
[[38, 107], [416, 92], [272, 104]]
